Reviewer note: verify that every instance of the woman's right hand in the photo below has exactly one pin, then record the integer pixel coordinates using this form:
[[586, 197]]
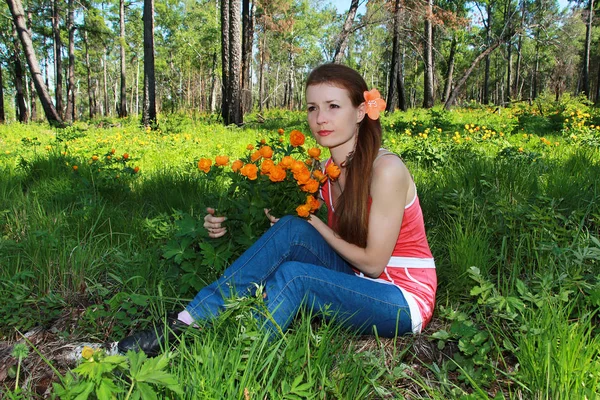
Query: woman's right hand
[[213, 224]]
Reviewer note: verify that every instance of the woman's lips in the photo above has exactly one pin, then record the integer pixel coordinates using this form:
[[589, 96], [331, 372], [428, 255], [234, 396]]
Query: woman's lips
[[324, 133]]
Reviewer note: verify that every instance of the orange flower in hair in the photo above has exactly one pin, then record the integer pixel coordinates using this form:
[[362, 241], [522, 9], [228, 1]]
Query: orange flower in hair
[[296, 138], [333, 171], [374, 103], [221, 161], [204, 165]]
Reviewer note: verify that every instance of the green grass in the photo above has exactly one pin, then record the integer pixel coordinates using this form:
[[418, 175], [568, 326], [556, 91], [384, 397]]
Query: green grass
[[497, 193]]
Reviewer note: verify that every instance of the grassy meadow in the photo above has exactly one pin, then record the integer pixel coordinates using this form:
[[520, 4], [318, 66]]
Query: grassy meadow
[[101, 233]]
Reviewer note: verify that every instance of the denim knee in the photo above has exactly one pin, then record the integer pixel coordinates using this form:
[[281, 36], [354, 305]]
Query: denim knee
[[298, 227]]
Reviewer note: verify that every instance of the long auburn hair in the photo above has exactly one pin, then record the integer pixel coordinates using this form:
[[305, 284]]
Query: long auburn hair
[[352, 207]]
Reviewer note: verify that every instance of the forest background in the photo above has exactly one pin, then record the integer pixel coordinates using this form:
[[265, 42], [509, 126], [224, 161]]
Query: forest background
[[91, 55]]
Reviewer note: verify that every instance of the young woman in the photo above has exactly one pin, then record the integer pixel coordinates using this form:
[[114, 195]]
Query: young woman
[[370, 264]]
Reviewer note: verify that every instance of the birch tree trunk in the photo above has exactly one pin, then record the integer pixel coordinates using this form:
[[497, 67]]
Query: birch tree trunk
[[450, 71], [2, 115], [32, 97]]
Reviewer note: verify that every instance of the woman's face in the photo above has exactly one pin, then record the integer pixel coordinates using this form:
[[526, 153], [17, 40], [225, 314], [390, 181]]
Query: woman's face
[[332, 117]]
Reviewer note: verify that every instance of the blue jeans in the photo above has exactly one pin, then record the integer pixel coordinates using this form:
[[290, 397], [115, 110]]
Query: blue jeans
[[299, 269]]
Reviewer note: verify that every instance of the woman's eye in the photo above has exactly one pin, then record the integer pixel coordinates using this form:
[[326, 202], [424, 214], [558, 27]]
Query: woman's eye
[[311, 108], [334, 106]]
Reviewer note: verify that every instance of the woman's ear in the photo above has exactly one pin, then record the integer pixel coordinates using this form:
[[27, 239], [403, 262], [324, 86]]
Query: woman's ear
[[360, 112]]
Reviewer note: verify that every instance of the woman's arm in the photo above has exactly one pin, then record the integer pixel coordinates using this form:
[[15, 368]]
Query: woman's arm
[[389, 189]]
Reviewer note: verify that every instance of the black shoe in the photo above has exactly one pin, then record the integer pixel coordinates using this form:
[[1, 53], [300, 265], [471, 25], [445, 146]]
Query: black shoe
[[153, 339]]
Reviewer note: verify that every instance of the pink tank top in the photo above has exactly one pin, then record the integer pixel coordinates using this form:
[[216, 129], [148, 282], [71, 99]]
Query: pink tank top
[[411, 266]]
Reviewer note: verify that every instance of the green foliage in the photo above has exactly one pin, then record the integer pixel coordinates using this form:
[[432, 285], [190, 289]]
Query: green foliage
[[104, 376]]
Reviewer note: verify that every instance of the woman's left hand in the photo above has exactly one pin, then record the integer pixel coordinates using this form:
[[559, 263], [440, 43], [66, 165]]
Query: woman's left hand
[[271, 218]]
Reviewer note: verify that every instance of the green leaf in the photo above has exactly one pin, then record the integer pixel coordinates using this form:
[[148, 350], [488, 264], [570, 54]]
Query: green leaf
[[146, 391]]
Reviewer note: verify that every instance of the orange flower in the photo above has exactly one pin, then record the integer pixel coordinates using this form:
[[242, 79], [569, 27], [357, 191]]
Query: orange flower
[[311, 186], [237, 164], [308, 161], [125, 156], [113, 151], [108, 157], [266, 152], [297, 166], [333, 171], [314, 152], [280, 131], [277, 174], [221, 161], [255, 156], [263, 141], [303, 210], [374, 103], [75, 167], [204, 165], [94, 158], [320, 176], [249, 171], [302, 177], [250, 147], [313, 203], [136, 170], [266, 166], [296, 138], [286, 162]]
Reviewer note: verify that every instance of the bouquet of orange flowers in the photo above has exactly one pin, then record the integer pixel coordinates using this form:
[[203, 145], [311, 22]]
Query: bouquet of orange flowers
[[277, 174]]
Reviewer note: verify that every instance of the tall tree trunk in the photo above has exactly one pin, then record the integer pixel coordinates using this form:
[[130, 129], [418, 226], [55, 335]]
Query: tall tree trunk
[[586, 52], [516, 89], [488, 38], [261, 72], [58, 82], [213, 84], [88, 69], [225, 91], [247, 41], [105, 82], [508, 72], [70, 112], [392, 96], [342, 41], [32, 96], [235, 63], [16, 10], [536, 66], [454, 94], [428, 99], [123, 91], [598, 87], [2, 115], [450, 71], [401, 90], [21, 108], [149, 112]]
